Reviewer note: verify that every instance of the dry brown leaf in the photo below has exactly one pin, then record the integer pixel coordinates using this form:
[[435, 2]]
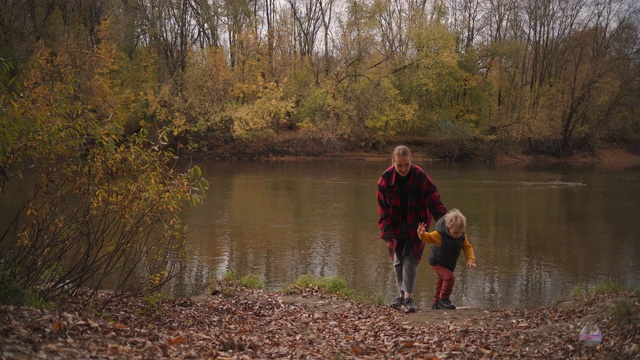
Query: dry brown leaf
[[59, 325], [175, 340], [357, 350]]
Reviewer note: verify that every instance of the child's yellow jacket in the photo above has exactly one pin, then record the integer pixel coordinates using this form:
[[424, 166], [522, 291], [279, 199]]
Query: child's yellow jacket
[[434, 237]]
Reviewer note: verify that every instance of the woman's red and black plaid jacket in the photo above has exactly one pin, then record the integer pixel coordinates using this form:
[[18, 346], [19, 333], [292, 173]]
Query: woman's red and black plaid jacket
[[424, 203]]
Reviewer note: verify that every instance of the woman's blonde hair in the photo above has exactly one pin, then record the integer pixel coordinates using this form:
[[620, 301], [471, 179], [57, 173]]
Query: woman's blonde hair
[[455, 218], [400, 150]]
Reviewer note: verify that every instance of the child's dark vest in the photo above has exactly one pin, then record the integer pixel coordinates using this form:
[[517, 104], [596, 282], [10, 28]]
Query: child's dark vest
[[447, 255]]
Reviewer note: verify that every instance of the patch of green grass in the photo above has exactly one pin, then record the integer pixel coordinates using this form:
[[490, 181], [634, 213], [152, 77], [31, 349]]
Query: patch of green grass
[[335, 285], [12, 293], [622, 313], [230, 276], [306, 281], [378, 299], [604, 287], [577, 290], [339, 356], [608, 287], [105, 315], [151, 305], [332, 285], [231, 280], [34, 299], [253, 281]]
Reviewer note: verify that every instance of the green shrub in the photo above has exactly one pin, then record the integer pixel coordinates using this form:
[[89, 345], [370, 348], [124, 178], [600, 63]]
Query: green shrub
[[11, 293], [335, 285], [330, 285], [306, 281], [230, 276], [253, 281]]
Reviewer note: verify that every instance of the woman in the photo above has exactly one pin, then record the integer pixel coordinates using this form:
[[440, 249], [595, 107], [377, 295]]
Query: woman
[[406, 197]]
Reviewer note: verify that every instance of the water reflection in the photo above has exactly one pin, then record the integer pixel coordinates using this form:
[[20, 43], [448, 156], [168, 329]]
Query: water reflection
[[537, 230]]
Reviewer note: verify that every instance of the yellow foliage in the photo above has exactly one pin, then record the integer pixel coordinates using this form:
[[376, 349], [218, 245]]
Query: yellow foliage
[[207, 81], [267, 114]]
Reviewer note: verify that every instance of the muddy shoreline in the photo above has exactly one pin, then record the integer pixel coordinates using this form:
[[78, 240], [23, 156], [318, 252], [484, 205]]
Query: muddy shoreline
[[610, 157]]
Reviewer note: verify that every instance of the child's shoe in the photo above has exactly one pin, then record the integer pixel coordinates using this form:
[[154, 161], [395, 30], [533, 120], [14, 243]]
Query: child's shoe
[[446, 304]]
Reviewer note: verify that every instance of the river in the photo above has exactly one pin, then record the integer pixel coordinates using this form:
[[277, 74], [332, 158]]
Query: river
[[539, 231]]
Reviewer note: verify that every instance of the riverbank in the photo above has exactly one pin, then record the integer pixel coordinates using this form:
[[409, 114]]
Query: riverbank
[[616, 156], [251, 324]]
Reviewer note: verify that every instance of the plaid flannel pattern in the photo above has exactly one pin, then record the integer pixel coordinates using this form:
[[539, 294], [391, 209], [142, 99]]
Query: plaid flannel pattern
[[424, 203]]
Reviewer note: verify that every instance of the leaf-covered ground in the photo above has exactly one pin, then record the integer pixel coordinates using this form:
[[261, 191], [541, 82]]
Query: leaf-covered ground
[[252, 324]]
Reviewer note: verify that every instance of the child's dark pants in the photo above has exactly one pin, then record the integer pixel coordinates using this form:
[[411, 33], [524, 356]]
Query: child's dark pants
[[444, 286]]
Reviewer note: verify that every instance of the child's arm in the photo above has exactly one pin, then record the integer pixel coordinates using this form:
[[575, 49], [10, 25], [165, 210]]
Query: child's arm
[[468, 252], [430, 237]]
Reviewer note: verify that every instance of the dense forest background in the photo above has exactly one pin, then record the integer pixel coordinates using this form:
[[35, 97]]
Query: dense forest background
[[314, 76]]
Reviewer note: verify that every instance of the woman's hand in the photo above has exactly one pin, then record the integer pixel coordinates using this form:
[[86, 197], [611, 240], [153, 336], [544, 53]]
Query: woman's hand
[[391, 244]]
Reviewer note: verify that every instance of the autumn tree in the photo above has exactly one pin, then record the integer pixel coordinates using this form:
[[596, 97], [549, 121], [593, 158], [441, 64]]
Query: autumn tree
[[95, 206], [434, 78], [466, 18], [307, 15], [393, 24], [594, 84], [327, 12], [208, 18]]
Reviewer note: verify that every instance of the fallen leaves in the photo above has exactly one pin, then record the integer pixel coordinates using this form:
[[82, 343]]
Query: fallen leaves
[[255, 324]]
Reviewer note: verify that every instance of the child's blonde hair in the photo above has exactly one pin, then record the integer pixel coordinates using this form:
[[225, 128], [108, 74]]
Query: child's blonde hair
[[455, 218]]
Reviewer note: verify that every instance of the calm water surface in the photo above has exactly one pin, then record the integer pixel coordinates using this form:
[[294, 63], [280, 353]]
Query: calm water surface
[[538, 231]]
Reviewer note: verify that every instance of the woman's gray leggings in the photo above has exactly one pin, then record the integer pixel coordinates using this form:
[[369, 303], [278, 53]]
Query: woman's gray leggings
[[405, 265], [406, 269]]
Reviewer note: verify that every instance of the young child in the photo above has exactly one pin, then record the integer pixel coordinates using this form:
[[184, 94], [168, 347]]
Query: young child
[[447, 240]]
